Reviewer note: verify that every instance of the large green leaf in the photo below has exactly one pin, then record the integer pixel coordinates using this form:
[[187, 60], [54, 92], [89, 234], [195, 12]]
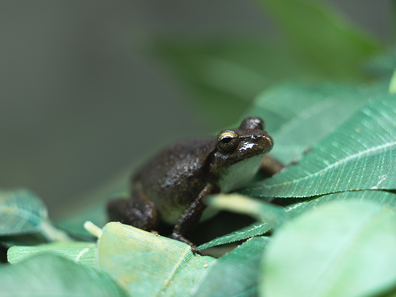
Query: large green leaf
[[338, 249], [294, 210], [322, 35], [80, 252], [360, 154], [21, 212], [146, 264], [236, 273], [49, 275], [254, 229], [299, 115]]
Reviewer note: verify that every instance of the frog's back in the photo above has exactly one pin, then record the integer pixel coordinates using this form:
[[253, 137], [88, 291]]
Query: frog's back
[[175, 176]]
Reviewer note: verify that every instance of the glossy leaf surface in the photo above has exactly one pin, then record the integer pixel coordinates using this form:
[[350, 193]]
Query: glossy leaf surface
[[21, 212], [49, 275], [148, 264], [338, 249], [360, 154]]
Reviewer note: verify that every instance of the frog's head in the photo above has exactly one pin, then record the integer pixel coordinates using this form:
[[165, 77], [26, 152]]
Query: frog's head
[[239, 152]]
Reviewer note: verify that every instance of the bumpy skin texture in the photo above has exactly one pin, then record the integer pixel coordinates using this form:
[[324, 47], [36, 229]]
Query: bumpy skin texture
[[176, 176], [172, 185]]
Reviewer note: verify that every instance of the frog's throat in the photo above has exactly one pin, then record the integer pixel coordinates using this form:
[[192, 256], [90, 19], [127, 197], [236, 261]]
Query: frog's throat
[[239, 174]]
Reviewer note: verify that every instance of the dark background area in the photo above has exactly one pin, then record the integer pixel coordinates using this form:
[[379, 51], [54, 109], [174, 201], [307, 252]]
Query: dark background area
[[80, 99]]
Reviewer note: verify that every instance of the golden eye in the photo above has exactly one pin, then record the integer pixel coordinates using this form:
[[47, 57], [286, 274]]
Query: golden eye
[[227, 140]]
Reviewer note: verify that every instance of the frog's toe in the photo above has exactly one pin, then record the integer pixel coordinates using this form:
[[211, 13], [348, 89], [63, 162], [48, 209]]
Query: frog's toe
[[179, 237]]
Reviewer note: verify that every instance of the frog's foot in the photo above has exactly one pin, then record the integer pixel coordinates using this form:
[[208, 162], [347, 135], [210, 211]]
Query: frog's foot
[[133, 213], [185, 240]]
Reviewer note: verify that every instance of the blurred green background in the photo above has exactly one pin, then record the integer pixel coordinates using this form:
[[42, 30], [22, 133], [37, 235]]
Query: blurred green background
[[83, 97]]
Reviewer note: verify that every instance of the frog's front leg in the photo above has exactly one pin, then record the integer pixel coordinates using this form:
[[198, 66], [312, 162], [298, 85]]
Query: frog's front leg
[[137, 211], [189, 219], [270, 165]]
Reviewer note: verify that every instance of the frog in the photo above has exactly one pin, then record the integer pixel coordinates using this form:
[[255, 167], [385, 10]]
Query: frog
[[171, 186]]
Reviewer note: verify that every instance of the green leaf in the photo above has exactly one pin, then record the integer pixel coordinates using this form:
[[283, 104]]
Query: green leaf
[[80, 252], [358, 155], [299, 115], [21, 212], [170, 268], [339, 249], [236, 273], [381, 197], [391, 293], [49, 275], [392, 84], [296, 209], [258, 228], [321, 35]]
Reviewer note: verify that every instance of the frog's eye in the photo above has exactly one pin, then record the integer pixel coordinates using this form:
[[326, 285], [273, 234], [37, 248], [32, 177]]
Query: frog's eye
[[227, 140]]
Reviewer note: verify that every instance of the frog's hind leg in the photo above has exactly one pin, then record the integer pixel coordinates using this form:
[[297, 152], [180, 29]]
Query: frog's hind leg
[[137, 211]]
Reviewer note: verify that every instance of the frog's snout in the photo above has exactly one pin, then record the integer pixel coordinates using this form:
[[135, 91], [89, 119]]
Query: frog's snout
[[257, 143], [267, 142]]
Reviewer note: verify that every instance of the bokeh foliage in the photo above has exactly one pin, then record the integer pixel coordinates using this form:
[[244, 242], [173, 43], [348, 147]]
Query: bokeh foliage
[[331, 231]]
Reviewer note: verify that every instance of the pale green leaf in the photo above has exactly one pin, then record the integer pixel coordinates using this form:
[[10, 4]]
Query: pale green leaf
[[79, 252], [21, 212], [392, 85], [147, 264], [49, 275], [358, 155], [339, 249], [236, 273], [259, 209]]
